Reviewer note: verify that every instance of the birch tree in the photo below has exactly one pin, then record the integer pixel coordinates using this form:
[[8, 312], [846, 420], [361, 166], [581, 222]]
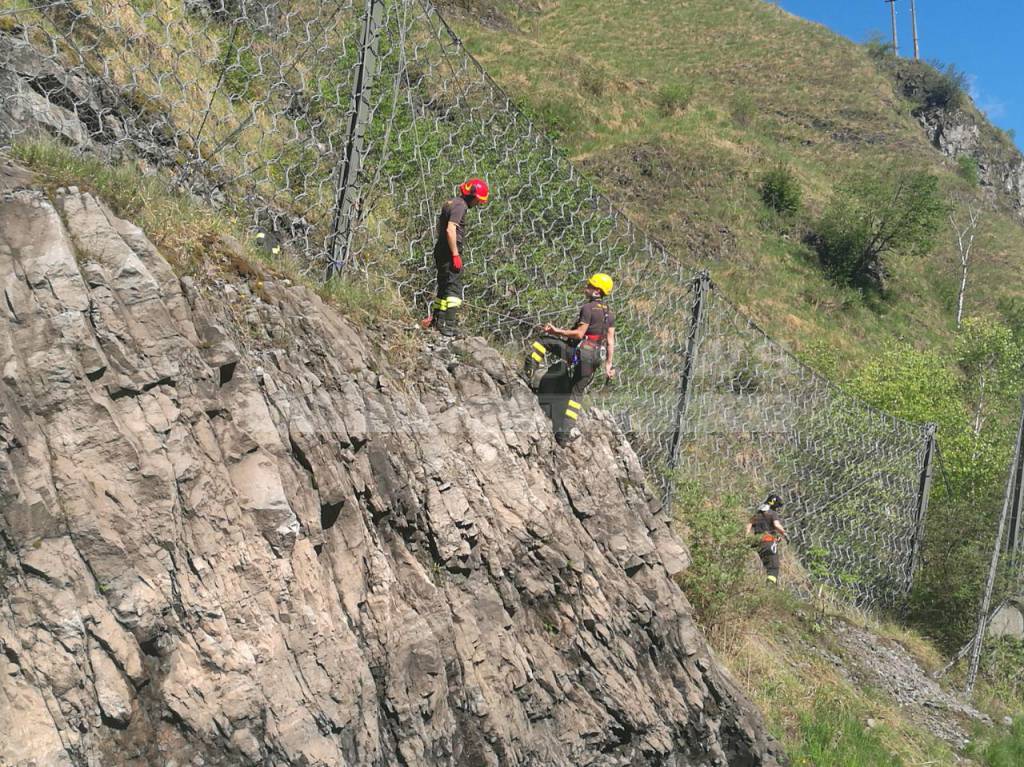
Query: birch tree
[[965, 229]]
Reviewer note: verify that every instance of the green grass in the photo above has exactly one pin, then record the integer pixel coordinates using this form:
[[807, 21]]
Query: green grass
[[179, 225], [779, 654], [191, 234], [697, 106], [832, 733], [1003, 749]]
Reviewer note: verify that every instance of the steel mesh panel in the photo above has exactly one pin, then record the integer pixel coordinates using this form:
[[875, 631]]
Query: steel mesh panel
[[252, 104]]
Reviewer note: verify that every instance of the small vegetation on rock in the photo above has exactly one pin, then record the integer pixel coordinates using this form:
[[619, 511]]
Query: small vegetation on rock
[[967, 169]]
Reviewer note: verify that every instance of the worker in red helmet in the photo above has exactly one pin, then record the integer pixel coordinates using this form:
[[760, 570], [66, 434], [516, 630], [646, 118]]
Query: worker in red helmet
[[448, 255]]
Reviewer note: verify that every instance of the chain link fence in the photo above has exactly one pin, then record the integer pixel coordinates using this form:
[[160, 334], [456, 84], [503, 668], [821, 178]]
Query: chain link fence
[[340, 128]]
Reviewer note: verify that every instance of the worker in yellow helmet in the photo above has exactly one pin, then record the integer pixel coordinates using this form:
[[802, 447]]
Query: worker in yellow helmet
[[562, 363]]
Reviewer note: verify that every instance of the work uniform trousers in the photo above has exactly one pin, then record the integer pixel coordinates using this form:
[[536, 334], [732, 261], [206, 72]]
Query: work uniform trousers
[[561, 389], [449, 284], [583, 375], [769, 553]]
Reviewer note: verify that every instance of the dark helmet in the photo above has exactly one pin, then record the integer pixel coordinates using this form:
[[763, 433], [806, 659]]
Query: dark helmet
[[773, 501]]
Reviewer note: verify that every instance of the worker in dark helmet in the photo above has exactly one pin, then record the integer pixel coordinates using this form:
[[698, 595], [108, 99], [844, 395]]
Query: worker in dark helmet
[[448, 255], [764, 525], [562, 363]]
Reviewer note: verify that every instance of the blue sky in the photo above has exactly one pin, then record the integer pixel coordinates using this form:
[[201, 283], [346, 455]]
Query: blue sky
[[983, 38]]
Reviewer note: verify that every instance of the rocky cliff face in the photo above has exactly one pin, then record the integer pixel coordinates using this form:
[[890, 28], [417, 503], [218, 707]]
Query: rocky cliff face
[[957, 133], [235, 531]]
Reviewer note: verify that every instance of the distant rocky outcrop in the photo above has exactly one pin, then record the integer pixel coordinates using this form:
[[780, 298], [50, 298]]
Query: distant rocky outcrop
[[236, 531], [38, 95], [959, 130], [959, 133]]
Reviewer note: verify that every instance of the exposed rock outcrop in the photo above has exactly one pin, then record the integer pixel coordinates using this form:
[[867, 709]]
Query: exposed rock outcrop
[[38, 95], [235, 531], [957, 133]]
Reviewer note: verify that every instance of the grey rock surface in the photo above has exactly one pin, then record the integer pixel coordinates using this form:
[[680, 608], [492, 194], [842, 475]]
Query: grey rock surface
[[1008, 620], [958, 134], [887, 666], [236, 531]]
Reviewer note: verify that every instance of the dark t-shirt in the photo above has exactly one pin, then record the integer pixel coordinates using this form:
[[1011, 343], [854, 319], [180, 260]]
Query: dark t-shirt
[[764, 522], [453, 211], [598, 317]]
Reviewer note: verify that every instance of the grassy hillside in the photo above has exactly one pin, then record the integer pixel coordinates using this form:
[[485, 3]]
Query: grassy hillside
[[677, 108]]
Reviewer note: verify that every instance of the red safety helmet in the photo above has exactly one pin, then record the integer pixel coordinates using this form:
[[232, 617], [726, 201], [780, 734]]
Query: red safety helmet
[[475, 187]]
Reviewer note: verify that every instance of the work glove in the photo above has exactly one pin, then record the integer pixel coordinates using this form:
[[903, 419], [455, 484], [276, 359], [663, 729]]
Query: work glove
[[456, 263]]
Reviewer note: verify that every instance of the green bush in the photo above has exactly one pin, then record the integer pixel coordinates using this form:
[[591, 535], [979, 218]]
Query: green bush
[[967, 169], [873, 214], [781, 191], [1002, 671], [743, 110], [593, 80], [932, 85], [673, 98], [879, 48], [716, 580]]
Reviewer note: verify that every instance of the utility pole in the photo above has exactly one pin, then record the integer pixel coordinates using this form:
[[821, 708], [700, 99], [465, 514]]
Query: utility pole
[[913, 24], [895, 40]]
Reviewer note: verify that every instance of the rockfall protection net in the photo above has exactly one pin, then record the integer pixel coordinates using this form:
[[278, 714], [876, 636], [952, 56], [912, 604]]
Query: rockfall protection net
[[340, 128]]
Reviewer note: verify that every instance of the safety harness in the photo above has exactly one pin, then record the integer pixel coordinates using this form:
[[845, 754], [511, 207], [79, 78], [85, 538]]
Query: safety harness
[[592, 340], [598, 339]]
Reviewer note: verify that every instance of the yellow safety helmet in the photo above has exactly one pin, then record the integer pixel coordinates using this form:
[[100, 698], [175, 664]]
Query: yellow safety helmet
[[602, 282]]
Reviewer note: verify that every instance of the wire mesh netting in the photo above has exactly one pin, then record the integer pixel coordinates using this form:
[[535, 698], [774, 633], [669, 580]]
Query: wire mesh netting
[[247, 100], [341, 127], [852, 475]]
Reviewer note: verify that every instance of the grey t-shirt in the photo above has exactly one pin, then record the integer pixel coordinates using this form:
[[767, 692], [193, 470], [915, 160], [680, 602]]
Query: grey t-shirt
[[453, 211], [764, 522]]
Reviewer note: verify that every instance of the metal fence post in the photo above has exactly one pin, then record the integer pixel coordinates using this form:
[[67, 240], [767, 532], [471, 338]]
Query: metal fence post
[[1013, 537], [346, 209], [924, 492], [701, 287], [986, 602]]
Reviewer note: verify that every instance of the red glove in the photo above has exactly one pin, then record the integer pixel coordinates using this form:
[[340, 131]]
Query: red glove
[[456, 263]]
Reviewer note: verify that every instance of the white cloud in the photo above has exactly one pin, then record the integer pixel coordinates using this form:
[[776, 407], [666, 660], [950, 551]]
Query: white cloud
[[993, 108]]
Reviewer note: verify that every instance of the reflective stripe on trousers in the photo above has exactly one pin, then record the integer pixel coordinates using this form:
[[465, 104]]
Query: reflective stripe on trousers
[[573, 410]]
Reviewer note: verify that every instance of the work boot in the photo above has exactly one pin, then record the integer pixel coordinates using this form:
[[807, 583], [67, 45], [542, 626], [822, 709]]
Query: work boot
[[438, 320], [566, 438], [449, 326]]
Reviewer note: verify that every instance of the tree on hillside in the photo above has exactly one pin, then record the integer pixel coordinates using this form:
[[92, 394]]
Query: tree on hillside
[[968, 403], [965, 229], [871, 215], [991, 361]]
